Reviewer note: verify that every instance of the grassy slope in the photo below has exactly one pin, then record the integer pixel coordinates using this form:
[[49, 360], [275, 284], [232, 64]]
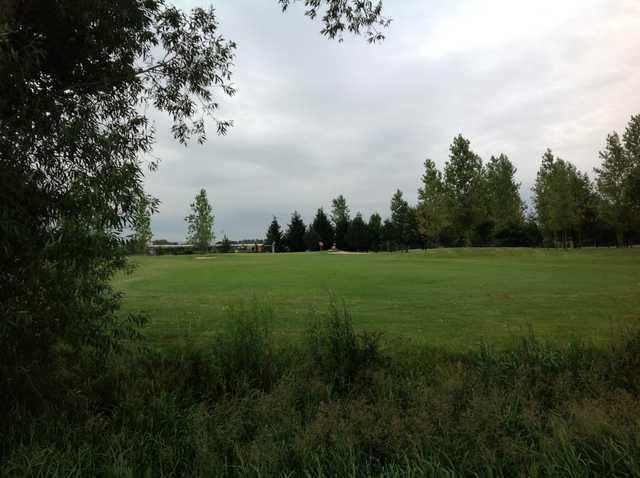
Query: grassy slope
[[447, 297]]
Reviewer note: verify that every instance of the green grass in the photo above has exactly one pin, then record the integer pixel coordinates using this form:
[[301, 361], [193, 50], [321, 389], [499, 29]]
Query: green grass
[[452, 298]]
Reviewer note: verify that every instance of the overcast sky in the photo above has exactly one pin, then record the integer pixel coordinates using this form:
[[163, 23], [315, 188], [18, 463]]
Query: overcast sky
[[315, 118]]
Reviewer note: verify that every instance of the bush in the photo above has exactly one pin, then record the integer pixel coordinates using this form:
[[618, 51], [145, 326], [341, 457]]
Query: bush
[[338, 353], [336, 405]]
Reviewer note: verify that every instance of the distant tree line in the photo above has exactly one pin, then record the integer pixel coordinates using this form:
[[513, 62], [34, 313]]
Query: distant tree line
[[471, 203]]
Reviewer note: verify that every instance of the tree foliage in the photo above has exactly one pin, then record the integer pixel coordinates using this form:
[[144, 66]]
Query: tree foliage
[[433, 211], [616, 178], [295, 234], [274, 235], [374, 227], [200, 222], [463, 181], [76, 80], [358, 234], [323, 228], [142, 235], [354, 16], [340, 218]]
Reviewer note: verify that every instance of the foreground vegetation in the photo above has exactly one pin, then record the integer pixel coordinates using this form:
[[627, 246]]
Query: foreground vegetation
[[451, 298], [337, 404]]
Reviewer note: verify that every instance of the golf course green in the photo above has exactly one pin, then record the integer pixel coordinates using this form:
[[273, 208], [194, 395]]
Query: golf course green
[[452, 298]]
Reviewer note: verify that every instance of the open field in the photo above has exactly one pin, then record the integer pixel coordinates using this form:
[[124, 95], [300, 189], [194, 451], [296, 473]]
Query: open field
[[448, 297]]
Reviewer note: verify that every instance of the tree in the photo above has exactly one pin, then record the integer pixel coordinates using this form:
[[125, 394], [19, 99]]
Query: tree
[[225, 245], [462, 177], [375, 232], [296, 230], [400, 221], [355, 16], [505, 205], [322, 226], [340, 218], [631, 139], [563, 198], [358, 234], [312, 239], [615, 179], [200, 222], [142, 235], [432, 211], [77, 78], [274, 235]]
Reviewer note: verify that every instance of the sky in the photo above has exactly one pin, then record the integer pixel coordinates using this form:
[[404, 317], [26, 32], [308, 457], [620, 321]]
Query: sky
[[314, 118]]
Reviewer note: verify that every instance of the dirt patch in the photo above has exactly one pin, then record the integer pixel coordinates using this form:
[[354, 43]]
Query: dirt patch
[[202, 258]]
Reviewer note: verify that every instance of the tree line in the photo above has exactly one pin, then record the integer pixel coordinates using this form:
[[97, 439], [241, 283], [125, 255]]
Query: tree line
[[472, 203]]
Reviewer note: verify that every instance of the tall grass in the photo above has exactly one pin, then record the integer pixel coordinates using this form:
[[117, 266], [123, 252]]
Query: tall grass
[[343, 403]]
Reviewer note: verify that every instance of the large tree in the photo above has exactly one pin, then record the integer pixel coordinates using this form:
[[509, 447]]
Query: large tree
[[401, 221], [323, 228], [463, 181], [615, 179], [295, 234], [505, 206], [563, 198], [375, 232], [200, 222], [274, 235], [358, 234], [340, 218], [433, 210], [77, 81]]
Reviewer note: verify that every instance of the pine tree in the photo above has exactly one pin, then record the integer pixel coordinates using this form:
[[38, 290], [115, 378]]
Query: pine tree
[[400, 221], [295, 233], [375, 232], [200, 222], [274, 235], [358, 234], [323, 228], [340, 218], [312, 239]]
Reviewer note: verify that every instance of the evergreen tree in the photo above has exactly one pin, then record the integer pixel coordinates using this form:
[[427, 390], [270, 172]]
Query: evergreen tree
[[274, 235], [433, 207], [312, 239], [400, 221], [389, 242], [340, 218], [323, 228], [200, 222], [375, 232], [358, 234], [295, 233], [462, 177]]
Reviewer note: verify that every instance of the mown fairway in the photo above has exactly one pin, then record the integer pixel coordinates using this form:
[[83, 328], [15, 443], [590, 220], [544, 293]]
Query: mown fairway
[[449, 297]]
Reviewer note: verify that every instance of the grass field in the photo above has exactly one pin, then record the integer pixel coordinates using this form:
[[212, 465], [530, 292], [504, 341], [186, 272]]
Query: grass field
[[448, 297]]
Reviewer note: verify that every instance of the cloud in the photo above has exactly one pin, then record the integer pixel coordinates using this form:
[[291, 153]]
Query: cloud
[[314, 118]]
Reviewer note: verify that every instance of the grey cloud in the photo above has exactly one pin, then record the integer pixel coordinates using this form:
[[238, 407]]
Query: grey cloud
[[314, 118]]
